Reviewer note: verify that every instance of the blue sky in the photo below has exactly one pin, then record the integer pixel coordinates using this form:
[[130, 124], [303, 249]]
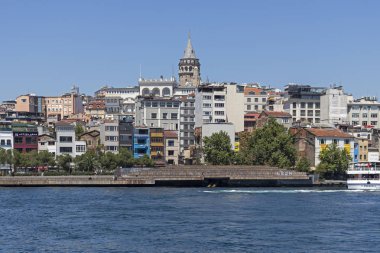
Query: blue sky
[[46, 46]]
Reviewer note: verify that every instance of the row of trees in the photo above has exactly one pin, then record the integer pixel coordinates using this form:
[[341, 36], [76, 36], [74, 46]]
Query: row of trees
[[272, 145], [91, 161]]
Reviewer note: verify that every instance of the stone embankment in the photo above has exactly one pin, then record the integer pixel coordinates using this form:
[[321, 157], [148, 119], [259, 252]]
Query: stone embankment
[[211, 176]]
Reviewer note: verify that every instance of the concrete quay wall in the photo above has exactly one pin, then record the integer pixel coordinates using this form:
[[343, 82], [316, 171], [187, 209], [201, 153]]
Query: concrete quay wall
[[203, 176]]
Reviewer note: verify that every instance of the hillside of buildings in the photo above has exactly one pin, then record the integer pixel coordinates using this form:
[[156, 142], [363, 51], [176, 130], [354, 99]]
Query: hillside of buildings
[[164, 121]]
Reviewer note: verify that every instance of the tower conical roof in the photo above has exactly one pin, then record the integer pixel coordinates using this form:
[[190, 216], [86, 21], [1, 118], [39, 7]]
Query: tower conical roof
[[189, 51]]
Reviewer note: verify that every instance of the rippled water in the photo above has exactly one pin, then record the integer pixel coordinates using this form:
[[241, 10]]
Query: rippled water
[[188, 220]]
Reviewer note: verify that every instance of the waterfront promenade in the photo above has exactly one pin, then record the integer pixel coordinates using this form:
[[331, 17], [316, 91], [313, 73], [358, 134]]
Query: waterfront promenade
[[211, 176]]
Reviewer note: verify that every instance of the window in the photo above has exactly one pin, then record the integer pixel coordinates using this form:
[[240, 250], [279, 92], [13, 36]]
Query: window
[[294, 112], [355, 115], [51, 143], [248, 107], [111, 148], [2, 143], [220, 113], [310, 113], [111, 128], [317, 113], [206, 105], [335, 141], [164, 115], [322, 141], [153, 115], [373, 115], [373, 123], [347, 141], [30, 140], [170, 143], [219, 104], [171, 152], [42, 143], [256, 99], [112, 138], [9, 143], [264, 99], [248, 100], [364, 123], [174, 115], [294, 105], [364, 115], [66, 139], [206, 97], [303, 113], [303, 105], [65, 149], [81, 148], [317, 105]]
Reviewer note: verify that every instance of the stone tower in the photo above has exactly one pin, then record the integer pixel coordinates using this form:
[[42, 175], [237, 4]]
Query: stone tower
[[189, 70]]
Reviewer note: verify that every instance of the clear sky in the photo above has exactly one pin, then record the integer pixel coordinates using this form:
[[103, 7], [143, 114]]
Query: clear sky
[[46, 46]]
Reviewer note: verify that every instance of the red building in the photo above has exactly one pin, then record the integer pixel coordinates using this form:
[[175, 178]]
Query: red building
[[25, 137]]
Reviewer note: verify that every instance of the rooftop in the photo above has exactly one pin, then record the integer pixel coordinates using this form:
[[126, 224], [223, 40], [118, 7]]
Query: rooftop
[[329, 132]]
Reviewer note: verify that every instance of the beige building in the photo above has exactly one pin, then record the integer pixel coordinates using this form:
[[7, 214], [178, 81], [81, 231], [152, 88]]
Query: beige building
[[363, 149], [64, 106], [30, 103], [171, 147], [235, 106]]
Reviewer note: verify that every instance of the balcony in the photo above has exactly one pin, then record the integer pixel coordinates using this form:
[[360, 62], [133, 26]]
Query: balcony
[[159, 134]]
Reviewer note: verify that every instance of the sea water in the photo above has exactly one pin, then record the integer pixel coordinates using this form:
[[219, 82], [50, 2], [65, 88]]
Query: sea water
[[188, 220]]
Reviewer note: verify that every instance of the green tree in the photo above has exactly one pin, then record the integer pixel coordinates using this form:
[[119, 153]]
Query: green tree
[[79, 130], [108, 161], [270, 145], [217, 149], [125, 158], [144, 161], [46, 158], [63, 162], [17, 159], [334, 162], [3, 156], [87, 162], [303, 165]]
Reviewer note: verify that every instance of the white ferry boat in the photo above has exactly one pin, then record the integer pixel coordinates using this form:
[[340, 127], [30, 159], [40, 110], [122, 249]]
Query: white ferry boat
[[364, 176]]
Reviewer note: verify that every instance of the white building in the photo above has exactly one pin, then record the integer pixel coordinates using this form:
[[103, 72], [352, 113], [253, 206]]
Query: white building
[[210, 104], [65, 141], [334, 106], [6, 135], [364, 112]]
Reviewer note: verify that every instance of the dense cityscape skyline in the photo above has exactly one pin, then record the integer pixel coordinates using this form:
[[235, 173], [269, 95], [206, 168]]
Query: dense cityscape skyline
[[49, 46]]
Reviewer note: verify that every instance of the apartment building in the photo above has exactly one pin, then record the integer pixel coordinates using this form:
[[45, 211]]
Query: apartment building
[[304, 103], [62, 107], [187, 122], [334, 106], [66, 142], [158, 112], [171, 147], [157, 145], [364, 112], [210, 104], [141, 142], [109, 135], [25, 137], [126, 134], [6, 135]]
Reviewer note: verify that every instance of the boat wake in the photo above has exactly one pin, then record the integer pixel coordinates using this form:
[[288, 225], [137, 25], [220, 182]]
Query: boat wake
[[284, 191]]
